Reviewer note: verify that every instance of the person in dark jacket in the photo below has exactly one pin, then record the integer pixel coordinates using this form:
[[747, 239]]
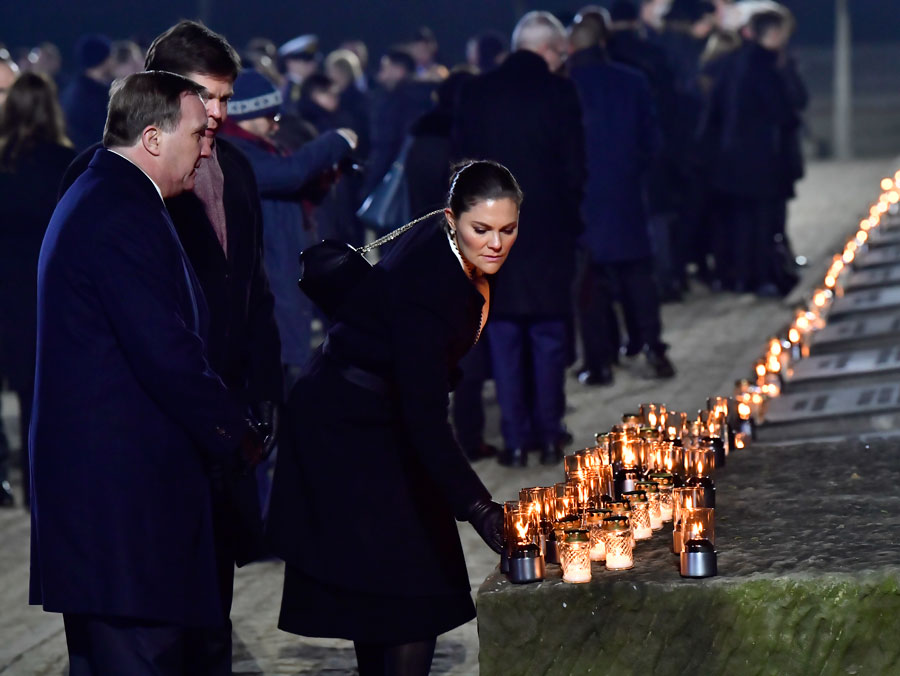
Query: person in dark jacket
[[34, 154], [368, 450], [528, 118], [623, 137], [219, 225], [84, 99], [126, 406], [749, 123]]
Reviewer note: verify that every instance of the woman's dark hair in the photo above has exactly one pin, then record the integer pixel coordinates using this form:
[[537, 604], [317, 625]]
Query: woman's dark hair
[[475, 181], [30, 116], [190, 47]]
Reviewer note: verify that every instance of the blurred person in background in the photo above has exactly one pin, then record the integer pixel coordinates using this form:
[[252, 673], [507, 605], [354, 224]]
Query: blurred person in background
[[499, 115], [344, 68], [34, 154], [424, 50], [127, 59], [359, 48], [486, 51], [9, 71], [750, 129], [395, 106], [299, 58], [46, 59], [623, 137], [261, 54], [84, 99]]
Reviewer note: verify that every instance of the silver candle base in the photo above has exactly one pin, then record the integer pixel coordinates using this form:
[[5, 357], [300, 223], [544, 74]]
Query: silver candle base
[[699, 564], [526, 566]]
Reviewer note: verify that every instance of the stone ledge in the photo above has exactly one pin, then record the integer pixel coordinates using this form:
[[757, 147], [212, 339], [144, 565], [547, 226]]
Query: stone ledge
[[790, 597]]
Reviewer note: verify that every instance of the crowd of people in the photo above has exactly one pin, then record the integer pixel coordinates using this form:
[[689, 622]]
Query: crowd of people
[[649, 143]]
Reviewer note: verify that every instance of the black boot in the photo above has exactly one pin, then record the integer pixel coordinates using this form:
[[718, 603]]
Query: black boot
[[552, 454], [515, 457], [6, 495]]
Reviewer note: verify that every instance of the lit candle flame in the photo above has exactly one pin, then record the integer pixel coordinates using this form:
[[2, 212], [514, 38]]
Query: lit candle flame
[[699, 467], [669, 463], [688, 503], [744, 411], [760, 370], [522, 528], [696, 531], [651, 418]]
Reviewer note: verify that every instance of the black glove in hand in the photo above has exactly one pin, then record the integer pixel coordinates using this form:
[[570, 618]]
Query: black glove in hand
[[250, 450], [486, 518], [267, 418]]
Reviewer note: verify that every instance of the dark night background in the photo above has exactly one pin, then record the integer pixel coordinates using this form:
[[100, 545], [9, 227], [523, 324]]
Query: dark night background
[[379, 23]]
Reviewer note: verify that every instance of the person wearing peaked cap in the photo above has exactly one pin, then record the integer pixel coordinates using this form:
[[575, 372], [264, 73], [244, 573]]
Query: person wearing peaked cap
[[84, 100], [299, 58]]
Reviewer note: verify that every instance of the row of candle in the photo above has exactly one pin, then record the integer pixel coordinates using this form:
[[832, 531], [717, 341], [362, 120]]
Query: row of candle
[[653, 468], [793, 343]]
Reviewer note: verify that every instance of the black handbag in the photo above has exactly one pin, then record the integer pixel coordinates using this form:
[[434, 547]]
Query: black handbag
[[330, 269], [388, 205]]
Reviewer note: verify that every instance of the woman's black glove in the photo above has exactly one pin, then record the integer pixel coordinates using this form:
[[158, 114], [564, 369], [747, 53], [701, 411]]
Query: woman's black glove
[[486, 518]]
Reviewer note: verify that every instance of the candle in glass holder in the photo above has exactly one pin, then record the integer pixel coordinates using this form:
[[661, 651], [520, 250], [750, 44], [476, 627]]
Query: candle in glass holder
[[602, 439], [700, 462], [651, 488], [640, 514], [566, 501], [573, 465], [666, 484], [532, 502], [698, 554], [653, 415], [617, 533], [685, 498], [575, 557], [593, 523], [510, 515]]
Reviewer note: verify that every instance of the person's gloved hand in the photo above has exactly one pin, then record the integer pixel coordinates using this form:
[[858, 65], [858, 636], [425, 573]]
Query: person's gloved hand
[[486, 518], [267, 423], [250, 450]]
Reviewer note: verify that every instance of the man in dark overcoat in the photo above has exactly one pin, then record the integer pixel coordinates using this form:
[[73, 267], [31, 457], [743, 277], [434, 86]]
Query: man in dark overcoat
[[623, 138], [219, 224], [127, 408], [528, 118]]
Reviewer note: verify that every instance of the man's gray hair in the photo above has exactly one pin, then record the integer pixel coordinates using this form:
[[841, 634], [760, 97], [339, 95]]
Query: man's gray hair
[[149, 98], [537, 29]]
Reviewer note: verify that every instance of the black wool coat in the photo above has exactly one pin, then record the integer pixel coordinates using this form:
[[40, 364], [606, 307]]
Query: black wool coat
[[243, 346], [367, 485], [529, 119]]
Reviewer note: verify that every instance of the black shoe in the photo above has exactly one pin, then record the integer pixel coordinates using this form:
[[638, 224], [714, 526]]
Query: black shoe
[[6, 495], [552, 454], [481, 451], [659, 365], [596, 377], [516, 457]]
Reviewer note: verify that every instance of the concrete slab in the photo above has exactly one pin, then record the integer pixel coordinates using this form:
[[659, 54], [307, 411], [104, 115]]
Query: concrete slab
[[873, 258], [870, 278], [874, 300], [829, 412], [857, 333], [861, 367]]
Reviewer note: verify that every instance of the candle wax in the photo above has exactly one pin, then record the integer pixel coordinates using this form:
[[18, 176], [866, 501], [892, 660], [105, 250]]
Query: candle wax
[[642, 533], [666, 512], [656, 521], [577, 574], [598, 551], [619, 561]]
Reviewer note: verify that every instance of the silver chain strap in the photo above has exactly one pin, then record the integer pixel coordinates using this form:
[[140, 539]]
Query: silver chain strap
[[396, 233]]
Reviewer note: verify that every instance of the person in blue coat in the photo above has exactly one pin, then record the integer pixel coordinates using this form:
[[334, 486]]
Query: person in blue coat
[[622, 138], [252, 120], [126, 408]]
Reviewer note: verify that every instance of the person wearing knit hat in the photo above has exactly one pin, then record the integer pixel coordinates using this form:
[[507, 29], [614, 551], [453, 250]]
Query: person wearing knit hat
[[84, 100], [254, 97]]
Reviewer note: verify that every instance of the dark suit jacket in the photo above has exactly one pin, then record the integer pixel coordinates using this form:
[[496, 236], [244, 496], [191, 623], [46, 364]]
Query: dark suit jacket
[[127, 412], [374, 477], [529, 119], [27, 197], [243, 345], [623, 138]]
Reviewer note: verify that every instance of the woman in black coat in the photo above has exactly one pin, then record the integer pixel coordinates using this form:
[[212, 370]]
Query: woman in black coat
[[369, 476], [34, 154]]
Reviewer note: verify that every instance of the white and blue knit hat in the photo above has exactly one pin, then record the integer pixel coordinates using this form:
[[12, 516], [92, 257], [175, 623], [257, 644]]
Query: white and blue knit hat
[[254, 96]]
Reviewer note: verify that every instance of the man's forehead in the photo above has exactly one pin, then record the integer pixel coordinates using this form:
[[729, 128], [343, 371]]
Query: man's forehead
[[216, 87]]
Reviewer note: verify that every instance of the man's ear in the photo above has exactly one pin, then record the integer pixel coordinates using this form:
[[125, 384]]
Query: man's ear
[[151, 139]]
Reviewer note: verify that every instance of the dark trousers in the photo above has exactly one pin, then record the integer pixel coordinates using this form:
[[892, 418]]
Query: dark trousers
[[745, 251], [639, 300], [111, 646], [468, 408], [528, 357]]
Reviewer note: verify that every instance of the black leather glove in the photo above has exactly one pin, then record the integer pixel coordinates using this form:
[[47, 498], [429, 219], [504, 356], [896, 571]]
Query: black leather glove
[[267, 422], [486, 518], [250, 450]]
